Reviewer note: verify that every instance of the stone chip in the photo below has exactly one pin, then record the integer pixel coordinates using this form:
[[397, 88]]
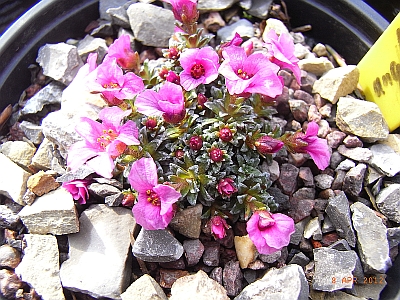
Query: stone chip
[[361, 118], [53, 213]]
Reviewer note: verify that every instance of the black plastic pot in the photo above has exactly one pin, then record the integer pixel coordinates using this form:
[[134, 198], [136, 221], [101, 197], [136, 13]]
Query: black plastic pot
[[350, 27], [49, 21]]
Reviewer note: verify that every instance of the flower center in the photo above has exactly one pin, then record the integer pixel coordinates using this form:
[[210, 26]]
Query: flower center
[[153, 198], [265, 220], [111, 85], [197, 71], [243, 74], [107, 137]]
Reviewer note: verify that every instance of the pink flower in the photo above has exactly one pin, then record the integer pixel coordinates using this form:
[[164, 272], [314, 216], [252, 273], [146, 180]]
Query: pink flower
[[168, 103], [154, 209], [121, 50], [269, 232], [235, 41], [200, 66], [113, 85], [78, 189], [282, 52], [310, 143], [218, 226], [226, 187], [102, 141], [268, 145], [185, 11], [249, 74]]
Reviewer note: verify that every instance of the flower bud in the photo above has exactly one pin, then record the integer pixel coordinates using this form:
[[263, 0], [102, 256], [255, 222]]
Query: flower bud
[[163, 73], [216, 154], [201, 99], [179, 154], [173, 77], [195, 142], [225, 134], [173, 53], [226, 187], [268, 145], [151, 123], [128, 200]]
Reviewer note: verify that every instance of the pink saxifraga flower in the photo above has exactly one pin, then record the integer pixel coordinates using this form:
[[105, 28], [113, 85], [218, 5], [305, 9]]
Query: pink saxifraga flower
[[113, 84], [218, 227], [121, 50], [310, 143], [282, 52], [78, 189], [185, 11], [237, 41], [226, 187], [269, 232], [249, 74], [168, 102], [102, 141], [154, 209], [200, 66]]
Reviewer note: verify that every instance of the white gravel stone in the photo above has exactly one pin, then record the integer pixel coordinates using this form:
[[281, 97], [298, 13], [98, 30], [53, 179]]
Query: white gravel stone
[[40, 266], [288, 282], [197, 287], [59, 61], [337, 83], [53, 212], [373, 245], [20, 152], [99, 254], [12, 182], [144, 288]]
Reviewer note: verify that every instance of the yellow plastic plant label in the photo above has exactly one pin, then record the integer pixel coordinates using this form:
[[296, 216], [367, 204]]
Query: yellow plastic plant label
[[380, 74]]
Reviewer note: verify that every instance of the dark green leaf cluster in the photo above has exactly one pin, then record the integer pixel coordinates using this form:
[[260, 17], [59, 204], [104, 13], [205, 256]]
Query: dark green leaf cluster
[[193, 172]]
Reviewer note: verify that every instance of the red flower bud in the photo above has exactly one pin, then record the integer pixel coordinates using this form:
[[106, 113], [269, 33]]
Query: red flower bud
[[216, 154], [201, 99], [195, 142], [225, 134], [268, 145], [151, 123], [163, 73], [173, 53], [226, 187], [179, 154], [128, 200]]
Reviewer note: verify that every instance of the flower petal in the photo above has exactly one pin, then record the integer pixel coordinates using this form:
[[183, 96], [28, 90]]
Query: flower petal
[[128, 133], [168, 196], [278, 235], [78, 154], [148, 215], [102, 164], [90, 130], [147, 103], [113, 116], [143, 175]]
